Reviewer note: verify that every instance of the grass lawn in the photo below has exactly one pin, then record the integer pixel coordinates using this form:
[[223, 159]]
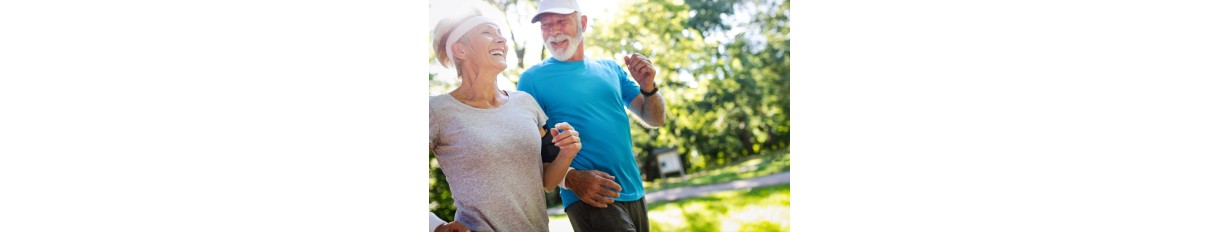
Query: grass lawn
[[761, 165], [758, 209]]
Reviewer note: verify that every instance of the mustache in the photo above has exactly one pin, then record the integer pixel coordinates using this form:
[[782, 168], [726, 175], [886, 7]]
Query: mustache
[[555, 38]]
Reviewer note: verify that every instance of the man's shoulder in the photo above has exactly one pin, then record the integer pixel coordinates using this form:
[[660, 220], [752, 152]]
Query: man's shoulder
[[545, 64], [602, 61], [607, 64], [532, 72], [547, 67]]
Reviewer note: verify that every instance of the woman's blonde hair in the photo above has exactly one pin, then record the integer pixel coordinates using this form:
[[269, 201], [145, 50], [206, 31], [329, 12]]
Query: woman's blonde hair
[[441, 34]]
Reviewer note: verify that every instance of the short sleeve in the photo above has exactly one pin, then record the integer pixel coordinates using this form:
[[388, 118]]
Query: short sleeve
[[549, 151], [539, 115], [626, 84]]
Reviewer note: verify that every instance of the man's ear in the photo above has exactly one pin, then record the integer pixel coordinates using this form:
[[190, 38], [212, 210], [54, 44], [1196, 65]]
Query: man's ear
[[584, 22]]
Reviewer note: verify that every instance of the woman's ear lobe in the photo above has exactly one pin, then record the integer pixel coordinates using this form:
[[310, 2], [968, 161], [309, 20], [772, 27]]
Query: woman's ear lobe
[[459, 51]]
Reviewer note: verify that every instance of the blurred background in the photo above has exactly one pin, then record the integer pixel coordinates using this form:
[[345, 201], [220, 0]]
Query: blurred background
[[721, 162]]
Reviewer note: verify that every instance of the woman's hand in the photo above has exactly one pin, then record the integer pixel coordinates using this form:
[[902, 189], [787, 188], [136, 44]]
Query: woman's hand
[[568, 141], [454, 226]]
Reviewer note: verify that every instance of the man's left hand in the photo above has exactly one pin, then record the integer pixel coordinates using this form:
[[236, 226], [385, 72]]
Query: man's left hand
[[642, 70]]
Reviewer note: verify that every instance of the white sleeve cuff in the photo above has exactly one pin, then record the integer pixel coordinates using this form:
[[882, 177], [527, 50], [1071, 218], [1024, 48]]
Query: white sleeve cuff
[[563, 182], [434, 222]]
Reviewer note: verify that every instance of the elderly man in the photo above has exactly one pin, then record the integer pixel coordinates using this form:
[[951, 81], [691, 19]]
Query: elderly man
[[603, 191]]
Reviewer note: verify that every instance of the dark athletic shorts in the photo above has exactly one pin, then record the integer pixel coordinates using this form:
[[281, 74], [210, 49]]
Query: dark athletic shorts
[[620, 216]]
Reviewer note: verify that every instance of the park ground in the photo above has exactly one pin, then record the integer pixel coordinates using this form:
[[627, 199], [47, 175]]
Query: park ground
[[750, 195]]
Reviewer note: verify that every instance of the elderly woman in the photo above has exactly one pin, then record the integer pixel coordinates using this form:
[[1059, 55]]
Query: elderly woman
[[488, 140]]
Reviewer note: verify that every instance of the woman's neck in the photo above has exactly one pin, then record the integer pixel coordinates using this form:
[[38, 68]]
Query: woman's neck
[[480, 91]]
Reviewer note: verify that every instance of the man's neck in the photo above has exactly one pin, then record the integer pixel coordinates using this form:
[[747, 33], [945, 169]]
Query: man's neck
[[580, 52]]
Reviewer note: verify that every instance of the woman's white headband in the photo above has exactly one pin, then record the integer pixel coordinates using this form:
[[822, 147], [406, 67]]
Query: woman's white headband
[[461, 30]]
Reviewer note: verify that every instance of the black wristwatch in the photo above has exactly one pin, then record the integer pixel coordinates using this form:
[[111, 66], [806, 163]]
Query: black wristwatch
[[654, 90]]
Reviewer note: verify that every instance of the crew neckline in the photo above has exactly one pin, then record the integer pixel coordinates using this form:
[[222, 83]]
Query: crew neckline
[[567, 62], [459, 102]]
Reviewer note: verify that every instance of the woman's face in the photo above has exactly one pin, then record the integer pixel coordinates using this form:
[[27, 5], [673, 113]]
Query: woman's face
[[488, 48]]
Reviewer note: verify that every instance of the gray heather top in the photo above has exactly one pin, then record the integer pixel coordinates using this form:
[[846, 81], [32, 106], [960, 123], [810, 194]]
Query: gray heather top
[[491, 159]]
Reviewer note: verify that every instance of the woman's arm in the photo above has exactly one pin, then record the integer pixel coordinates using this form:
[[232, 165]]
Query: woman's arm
[[569, 144], [434, 222]]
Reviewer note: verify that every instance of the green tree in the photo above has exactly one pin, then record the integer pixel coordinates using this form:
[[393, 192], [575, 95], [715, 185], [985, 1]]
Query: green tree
[[738, 102], [440, 200]]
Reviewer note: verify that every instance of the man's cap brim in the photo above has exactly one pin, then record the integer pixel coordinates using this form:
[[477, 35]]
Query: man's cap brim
[[553, 10]]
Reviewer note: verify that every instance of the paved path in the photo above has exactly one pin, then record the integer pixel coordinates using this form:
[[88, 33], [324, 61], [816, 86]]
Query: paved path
[[698, 191]]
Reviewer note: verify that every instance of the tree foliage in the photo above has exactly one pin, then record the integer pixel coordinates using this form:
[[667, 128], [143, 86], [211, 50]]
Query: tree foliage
[[440, 200], [735, 102]]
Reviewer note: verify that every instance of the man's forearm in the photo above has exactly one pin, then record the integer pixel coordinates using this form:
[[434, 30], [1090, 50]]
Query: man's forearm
[[653, 110], [569, 177]]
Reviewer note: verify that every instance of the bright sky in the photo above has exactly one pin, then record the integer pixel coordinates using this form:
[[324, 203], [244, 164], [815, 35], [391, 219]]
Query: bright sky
[[526, 31]]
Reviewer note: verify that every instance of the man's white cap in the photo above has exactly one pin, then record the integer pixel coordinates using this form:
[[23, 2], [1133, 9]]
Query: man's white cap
[[555, 6]]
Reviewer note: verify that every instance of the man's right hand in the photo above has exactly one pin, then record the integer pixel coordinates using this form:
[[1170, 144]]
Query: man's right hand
[[593, 187]]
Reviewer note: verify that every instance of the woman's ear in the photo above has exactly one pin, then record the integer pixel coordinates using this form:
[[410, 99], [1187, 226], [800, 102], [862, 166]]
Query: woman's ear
[[460, 51]]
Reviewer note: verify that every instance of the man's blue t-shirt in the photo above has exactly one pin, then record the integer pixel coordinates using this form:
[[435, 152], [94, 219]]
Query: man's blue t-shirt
[[590, 95]]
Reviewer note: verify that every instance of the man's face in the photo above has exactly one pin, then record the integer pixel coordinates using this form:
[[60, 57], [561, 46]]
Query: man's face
[[562, 33]]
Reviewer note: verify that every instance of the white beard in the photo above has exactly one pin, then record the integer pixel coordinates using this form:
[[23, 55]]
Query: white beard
[[573, 43]]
